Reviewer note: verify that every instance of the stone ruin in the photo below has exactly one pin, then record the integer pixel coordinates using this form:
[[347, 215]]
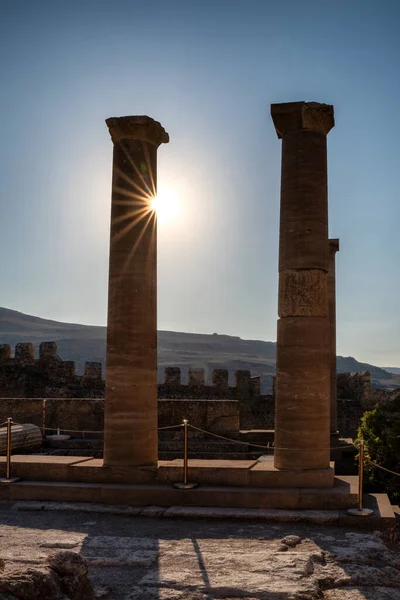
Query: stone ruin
[[301, 475], [77, 401]]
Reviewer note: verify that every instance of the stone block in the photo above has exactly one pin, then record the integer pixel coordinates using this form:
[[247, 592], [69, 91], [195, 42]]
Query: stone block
[[76, 414], [147, 495], [5, 352], [94, 471], [343, 495], [303, 367], [220, 378], [264, 474], [207, 472], [196, 377], [93, 370], [66, 369], [222, 416], [40, 468], [22, 410], [172, 412], [24, 351], [303, 293], [255, 385], [290, 117], [248, 497], [55, 491], [48, 350], [306, 332], [172, 376], [302, 243], [243, 382]]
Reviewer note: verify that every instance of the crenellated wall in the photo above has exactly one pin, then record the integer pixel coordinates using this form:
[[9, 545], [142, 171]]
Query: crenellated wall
[[32, 380], [47, 376]]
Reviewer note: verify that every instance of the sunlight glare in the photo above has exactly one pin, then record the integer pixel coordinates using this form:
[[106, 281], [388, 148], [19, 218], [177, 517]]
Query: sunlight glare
[[166, 205]]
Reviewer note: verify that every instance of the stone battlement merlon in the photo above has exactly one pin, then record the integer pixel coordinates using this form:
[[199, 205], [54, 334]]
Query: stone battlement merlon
[[24, 353]]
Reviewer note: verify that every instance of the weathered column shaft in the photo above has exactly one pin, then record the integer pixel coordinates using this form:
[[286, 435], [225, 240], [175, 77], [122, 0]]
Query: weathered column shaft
[[130, 415], [333, 248], [302, 366]]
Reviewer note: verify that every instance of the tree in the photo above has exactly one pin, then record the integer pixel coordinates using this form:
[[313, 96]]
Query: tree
[[380, 429]]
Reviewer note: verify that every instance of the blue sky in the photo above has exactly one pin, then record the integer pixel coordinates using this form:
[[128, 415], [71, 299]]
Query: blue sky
[[208, 71]]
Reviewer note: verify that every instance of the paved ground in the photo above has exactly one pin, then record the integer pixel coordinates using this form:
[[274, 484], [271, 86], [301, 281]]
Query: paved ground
[[138, 558]]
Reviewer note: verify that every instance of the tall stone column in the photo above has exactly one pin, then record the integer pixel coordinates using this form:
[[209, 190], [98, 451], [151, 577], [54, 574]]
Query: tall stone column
[[130, 415], [333, 248], [302, 371]]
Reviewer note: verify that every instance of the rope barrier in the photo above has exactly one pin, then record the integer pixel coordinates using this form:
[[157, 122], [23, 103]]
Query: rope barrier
[[268, 447], [370, 462], [97, 430], [75, 430], [222, 437]]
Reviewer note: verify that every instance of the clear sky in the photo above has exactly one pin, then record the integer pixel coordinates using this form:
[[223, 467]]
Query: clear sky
[[208, 70]]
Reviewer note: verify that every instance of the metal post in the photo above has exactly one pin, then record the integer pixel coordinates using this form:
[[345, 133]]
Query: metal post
[[185, 485], [185, 451], [360, 511], [361, 476], [8, 478], [44, 418]]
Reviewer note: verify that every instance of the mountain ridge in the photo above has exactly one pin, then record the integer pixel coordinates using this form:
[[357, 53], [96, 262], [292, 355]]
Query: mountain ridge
[[83, 343]]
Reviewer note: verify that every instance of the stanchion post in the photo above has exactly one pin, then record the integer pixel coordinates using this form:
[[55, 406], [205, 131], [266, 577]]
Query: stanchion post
[[185, 485], [185, 451], [44, 418], [8, 478], [361, 476], [360, 511]]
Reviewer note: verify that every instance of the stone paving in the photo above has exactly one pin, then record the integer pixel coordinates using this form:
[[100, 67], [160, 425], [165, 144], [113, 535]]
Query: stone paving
[[138, 558]]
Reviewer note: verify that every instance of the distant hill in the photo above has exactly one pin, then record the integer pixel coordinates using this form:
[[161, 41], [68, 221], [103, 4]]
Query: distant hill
[[86, 342], [395, 370]]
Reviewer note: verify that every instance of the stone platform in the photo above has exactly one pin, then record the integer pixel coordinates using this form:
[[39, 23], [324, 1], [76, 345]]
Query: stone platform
[[246, 484], [383, 513], [239, 473]]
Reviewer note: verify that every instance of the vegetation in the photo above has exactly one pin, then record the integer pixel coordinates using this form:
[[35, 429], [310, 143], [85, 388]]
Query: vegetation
[[380, 429]]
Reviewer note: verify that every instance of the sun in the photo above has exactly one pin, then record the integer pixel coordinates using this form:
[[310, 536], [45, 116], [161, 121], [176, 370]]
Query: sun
[[166, 204]]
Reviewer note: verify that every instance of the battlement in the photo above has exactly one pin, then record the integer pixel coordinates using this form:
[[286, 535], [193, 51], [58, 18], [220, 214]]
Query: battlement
[[245, 384], [33, 379], [45, 375], [24, 375]]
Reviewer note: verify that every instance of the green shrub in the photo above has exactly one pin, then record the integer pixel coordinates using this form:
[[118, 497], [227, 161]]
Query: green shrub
[[380, 429]]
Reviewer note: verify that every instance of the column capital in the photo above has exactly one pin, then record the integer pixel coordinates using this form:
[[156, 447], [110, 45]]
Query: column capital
[[290, 117], [138, 127], [333, 245]]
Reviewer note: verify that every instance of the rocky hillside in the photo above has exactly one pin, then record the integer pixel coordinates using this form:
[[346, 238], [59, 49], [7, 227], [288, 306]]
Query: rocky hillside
[[83, 342]]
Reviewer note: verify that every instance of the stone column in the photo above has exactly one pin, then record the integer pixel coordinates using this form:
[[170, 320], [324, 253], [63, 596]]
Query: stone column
[[333, 248], [130, 415], [302, 418]]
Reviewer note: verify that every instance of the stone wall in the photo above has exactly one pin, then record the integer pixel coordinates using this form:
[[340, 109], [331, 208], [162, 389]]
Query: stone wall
[[24, 376], [357, 387], [86, 415], [353, 386], [26, 381], [47, 376], [217, 416]]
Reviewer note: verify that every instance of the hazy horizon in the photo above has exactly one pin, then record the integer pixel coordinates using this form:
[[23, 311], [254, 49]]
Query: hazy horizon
[[220, 333], [208, 72]]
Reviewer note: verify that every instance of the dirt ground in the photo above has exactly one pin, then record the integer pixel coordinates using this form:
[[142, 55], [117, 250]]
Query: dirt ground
[[139, 558]]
